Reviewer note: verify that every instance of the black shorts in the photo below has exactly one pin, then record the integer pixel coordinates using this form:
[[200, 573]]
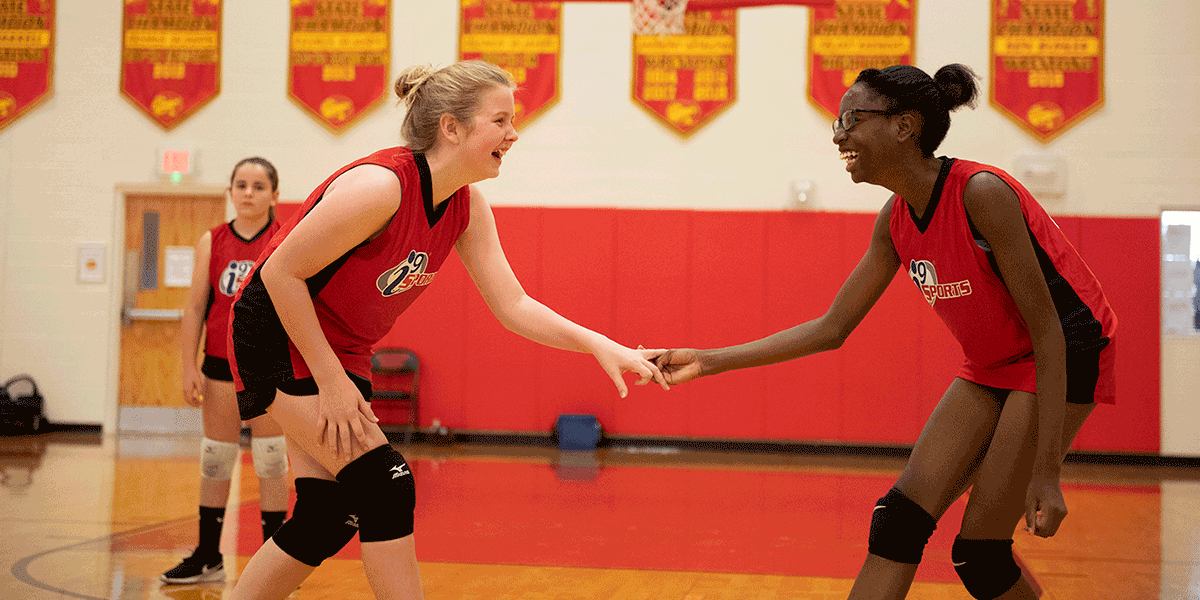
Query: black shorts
[[1083, 372], [253, 402], [1083, 375], [216, 369]]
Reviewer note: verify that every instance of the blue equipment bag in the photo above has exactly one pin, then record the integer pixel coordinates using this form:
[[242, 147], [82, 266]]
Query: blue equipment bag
[[577, 432]]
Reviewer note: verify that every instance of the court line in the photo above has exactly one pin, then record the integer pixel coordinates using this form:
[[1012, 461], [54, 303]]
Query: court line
[[20, 569]]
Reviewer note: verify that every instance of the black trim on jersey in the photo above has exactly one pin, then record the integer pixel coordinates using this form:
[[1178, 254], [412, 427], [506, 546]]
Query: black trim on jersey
[[317, 282], [256, 236], [1083, 332], [923, 222], [1080, 327], [433, 215], [260, 343], [212, 299]]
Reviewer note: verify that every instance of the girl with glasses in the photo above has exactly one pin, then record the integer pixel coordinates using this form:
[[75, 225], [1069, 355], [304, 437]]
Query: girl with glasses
[[1034, 325]]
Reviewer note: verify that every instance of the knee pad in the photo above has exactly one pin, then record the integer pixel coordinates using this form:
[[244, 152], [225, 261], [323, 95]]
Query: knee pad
[[382, 493], [270, 456], [217, 459], [900, 528], [321, 522], [986, 567]]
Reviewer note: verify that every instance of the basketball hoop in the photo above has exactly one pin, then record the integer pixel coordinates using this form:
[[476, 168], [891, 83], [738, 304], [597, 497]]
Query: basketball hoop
[[657, 17]]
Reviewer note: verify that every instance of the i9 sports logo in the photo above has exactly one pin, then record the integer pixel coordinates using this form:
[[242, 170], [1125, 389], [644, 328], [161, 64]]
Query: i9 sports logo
[[405, 275], [233, 275], [923, 274]]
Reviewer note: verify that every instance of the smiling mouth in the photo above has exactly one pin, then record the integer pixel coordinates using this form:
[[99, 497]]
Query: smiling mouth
[[499, 154], [850, 157]]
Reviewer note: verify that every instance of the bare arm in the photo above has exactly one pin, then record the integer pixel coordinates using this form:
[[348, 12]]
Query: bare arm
[[193, 320], [857, 295], [481, 254], [356, 206], [996, 212]]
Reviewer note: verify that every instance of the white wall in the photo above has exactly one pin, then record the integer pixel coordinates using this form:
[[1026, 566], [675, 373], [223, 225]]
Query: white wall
[[60, 164]]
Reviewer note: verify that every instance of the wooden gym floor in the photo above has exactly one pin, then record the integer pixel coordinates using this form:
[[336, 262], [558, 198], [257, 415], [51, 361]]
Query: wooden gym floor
[[98, 518]]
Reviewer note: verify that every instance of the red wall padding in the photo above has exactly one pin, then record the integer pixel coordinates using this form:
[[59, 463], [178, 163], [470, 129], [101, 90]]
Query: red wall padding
[[666, 278]]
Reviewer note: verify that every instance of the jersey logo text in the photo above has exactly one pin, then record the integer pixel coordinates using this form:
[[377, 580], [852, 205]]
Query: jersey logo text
[[923, 274], [405, 275], [232, 277]]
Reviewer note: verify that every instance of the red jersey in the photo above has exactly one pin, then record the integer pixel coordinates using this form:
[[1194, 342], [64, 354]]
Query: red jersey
[[358, 296], [229, 261], [955, 270]]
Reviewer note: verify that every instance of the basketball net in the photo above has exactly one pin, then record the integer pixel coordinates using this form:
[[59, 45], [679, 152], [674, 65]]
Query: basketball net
[[657, 17]]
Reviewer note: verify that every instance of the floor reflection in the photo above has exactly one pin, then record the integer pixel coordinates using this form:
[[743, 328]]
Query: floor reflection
[[94, 517]]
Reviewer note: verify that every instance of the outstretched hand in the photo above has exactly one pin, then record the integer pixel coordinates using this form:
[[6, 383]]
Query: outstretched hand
[[616, 359], [1045, 507], [679, 365]]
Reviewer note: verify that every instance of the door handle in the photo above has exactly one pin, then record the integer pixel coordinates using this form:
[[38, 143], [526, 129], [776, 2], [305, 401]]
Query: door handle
[[129, 312]]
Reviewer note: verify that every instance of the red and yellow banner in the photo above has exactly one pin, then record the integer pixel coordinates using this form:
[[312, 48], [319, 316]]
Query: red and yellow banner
[[1047, 63], [170, 57], [26, 56], [686, 80], [854, 35], [338, 58], [522, 38]]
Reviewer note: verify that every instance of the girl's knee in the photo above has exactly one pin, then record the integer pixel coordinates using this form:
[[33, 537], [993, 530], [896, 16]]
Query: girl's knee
[[900, 528], [270, 456], [384, 495]]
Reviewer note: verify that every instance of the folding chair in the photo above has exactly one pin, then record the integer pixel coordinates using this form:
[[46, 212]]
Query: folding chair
[[395, 377]]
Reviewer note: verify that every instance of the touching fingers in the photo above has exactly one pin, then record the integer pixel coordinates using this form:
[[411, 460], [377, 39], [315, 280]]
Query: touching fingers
[[644, 378], [658, 376]]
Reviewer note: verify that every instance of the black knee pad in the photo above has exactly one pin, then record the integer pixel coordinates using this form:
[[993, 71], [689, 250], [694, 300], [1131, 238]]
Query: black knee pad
[[382, 494], [321, 522], [986, 567], [900, 528]]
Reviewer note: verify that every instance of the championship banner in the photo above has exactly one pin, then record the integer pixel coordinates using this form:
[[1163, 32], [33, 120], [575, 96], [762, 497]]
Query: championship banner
[[26, 56], [854, 35], [338, 58], [1047, 63], [521, 37], [686, 80], [170, 57]]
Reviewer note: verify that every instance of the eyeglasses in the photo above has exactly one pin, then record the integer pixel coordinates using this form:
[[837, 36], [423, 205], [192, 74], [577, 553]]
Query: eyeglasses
[[847, 119]]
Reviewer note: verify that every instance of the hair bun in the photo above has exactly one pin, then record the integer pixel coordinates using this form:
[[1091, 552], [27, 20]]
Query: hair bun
[[956, 86], [412, 78]]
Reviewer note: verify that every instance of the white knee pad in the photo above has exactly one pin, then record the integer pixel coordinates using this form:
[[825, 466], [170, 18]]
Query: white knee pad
[[217, 459], [270, 456]]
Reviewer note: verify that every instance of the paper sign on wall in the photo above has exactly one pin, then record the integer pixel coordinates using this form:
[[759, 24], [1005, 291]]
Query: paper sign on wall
[[178, 269]]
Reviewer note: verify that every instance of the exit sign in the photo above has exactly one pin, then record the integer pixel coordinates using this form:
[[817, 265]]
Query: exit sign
[[176, 162]]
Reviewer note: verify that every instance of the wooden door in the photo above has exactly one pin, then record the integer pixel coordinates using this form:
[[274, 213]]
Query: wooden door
[[158, 230]]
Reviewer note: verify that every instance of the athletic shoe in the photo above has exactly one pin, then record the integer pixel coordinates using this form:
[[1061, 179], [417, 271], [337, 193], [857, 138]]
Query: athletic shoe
[[195, 569]]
